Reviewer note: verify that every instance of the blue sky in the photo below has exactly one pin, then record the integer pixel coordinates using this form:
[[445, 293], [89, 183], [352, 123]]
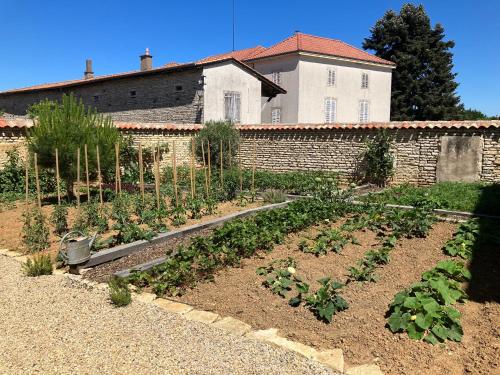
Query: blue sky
[[46, 41]]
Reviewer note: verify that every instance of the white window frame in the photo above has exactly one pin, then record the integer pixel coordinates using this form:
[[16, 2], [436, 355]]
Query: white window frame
[[364, 111], [276, 78], [330, 110], [232, 106], [276, 115], [332, 77], [365, 80]]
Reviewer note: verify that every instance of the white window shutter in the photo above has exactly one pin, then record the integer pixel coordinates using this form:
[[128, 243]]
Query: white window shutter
[[331, 77], [364, 111], [276, 115], [330, 110]]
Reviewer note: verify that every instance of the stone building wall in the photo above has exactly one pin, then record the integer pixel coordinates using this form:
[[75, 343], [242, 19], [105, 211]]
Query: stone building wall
[[163, 96]]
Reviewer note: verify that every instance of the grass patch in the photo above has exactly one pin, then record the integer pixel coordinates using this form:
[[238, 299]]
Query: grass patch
[[457, 196], [38, 266]]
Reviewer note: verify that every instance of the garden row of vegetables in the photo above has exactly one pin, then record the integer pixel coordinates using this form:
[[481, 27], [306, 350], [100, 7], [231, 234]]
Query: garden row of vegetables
[[424, 310]]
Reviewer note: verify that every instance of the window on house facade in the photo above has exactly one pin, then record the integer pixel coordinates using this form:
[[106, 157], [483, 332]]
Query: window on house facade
[[276, 115], [364, 80], [96, 98], [132, 93], [330, 110], [277, 78], [364, 111], [178, 88], [331, 77], [232, 106]]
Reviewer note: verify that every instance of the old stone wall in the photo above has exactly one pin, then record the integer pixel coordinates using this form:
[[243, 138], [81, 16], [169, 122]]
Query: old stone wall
[[168, 97], [418, 151]]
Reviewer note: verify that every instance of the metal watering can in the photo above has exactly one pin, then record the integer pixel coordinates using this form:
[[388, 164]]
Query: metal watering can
[[75, 247]]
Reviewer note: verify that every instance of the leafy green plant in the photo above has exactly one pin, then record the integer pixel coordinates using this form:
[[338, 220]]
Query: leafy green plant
[[119, 292], [423, 311], [280, 276], [178, 216], [379, 159], [215, 132], [35, 230], [195, 207], [59, 218], [91, 216], [449, 269], [130, 232], [327, 240], [38, 265], [363, 272], [464, 240], [326, 302]]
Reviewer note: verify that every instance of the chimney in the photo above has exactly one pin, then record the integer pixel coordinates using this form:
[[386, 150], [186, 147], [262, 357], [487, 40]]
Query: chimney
[[146, 61], [88, 69]]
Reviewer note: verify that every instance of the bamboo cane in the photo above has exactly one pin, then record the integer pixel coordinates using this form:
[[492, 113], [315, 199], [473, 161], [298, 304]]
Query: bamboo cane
[[239, 168], [155, 169], [39, 198], [204, 167], [253, 167], [209, 166], [174, 166], [58, 184], [87, 171], [118, 170], [191, 174], [99, 177], [229, 154], [26, 179], [78, 177], [221, 166], [141, 172]]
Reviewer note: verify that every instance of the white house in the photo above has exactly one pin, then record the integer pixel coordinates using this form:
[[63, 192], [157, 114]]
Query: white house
[[326, 81]]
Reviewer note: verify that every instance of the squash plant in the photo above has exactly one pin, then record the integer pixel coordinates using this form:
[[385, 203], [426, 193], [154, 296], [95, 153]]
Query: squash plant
[[326, 302], [327, 240]]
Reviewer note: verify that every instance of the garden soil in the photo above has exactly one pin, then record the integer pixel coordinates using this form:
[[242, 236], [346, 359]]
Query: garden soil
[[360, 330]]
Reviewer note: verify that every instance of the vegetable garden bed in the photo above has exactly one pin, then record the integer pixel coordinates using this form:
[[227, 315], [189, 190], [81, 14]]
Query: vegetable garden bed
[[330, 282]]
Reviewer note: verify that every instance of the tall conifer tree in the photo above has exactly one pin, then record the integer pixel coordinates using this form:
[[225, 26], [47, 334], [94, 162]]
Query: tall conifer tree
[[423, 83]]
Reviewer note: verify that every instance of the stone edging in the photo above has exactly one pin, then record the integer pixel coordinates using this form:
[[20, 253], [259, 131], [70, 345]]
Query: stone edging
[[333, 358]]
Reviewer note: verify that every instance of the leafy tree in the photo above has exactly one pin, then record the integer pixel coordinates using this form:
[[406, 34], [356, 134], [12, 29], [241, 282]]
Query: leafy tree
[[215, 132], [423, 84], [67, 126]]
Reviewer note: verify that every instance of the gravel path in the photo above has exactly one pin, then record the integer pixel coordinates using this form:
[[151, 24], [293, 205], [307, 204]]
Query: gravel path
[[52, 325]]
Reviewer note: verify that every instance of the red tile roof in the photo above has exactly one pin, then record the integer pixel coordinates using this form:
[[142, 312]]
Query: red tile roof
[[300, 42], [242, 54]]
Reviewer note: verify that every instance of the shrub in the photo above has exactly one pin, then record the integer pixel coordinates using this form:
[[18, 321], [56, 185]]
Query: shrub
[[35, 230], [12, 174], [59, 218], [38, 265], [215, 132], [67, 126], [378, 158], [119, 293]]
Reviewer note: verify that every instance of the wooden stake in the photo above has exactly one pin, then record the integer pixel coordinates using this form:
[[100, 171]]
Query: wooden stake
[[229, 154], [118, 178], [99, 177], [239, 167], [174, 166], [87, 171], [157, 177], [204, 167], [221, 166], [141, 172], [209, 166], [26, 179], [78, 177], [39, 195], [192, 171], [58, 179], [253, 167]]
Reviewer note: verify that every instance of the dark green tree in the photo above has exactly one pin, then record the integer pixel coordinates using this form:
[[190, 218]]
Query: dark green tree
[[215, 132], [423, 83], [67, 126]]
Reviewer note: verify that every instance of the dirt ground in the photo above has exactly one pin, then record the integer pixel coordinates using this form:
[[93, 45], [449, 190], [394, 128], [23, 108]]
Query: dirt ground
[[11, 223], [360, 330]]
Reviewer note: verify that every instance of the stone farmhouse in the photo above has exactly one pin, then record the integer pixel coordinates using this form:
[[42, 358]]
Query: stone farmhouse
[[302, 79]]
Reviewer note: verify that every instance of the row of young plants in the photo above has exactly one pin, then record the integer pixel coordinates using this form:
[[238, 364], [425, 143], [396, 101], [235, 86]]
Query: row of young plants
[[281, 278], [424, 310], [242, 238]]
